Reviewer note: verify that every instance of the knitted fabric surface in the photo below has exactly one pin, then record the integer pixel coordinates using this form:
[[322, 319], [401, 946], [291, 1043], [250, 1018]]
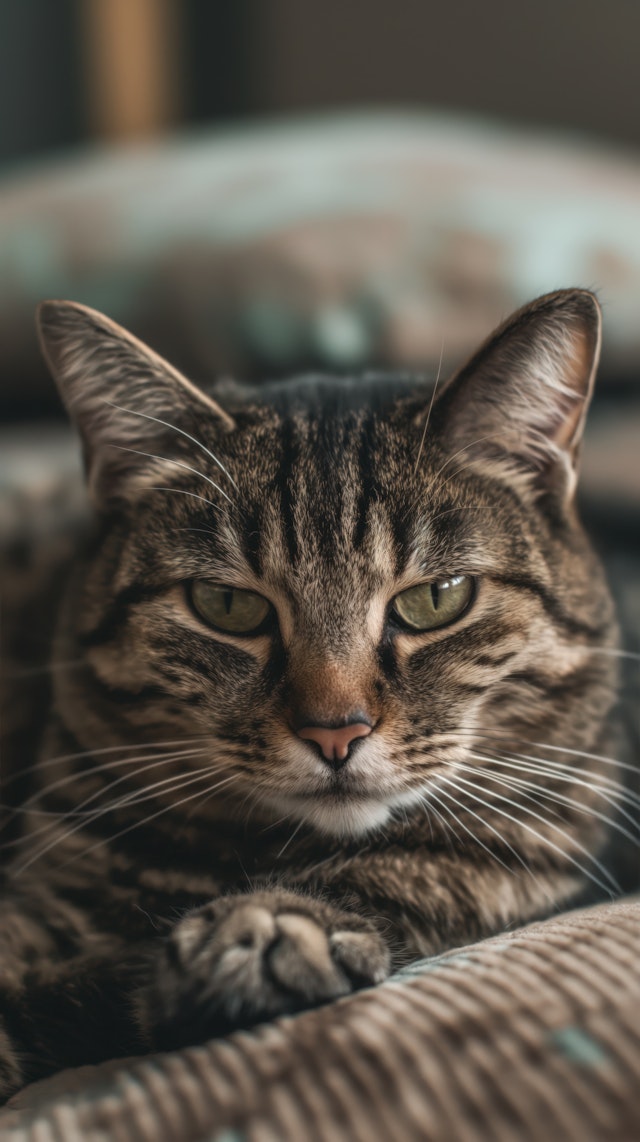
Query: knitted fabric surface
[[534, 1035]]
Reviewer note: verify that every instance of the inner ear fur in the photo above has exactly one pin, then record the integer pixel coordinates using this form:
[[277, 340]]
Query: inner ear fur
[[521, 400], [118, 392]]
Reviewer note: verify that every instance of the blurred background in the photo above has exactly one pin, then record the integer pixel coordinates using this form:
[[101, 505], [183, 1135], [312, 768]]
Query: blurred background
[[260, 186], [79, 71]]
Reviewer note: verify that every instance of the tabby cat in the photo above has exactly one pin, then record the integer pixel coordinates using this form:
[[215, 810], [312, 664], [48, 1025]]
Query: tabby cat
[[339, 688]]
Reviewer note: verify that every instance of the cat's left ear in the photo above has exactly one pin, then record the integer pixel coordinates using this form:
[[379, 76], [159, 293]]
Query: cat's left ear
[[127, 402], [518, 407]]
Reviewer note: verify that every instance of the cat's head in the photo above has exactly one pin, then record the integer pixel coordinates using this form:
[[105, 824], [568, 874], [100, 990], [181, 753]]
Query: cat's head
[[342, 589]]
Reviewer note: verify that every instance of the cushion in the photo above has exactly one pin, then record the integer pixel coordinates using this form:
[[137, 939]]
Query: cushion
[[533, 1035]]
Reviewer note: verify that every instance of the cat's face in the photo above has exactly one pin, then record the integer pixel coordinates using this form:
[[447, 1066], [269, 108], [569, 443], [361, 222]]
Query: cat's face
[[342, 591]]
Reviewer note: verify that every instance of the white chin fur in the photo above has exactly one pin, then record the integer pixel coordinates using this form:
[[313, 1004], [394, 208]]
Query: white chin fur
[[340, 819]]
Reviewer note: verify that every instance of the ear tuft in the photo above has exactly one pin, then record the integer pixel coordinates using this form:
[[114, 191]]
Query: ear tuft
[[121, 395]]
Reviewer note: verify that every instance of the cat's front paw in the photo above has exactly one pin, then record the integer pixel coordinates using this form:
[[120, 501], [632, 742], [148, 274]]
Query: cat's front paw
[[243, 959]]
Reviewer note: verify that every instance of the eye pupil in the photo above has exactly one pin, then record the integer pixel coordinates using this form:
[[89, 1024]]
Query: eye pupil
[[228, 608], [435, 604]]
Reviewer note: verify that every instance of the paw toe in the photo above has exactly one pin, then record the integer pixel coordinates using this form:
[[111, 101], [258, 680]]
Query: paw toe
[[250, 926], [364, 957], [301, 959]]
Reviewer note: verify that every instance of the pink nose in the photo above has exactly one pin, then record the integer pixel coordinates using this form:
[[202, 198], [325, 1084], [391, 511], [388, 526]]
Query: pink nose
[[334, 741]]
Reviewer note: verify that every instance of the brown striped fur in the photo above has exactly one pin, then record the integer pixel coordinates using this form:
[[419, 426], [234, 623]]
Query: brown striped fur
[[189, 864]]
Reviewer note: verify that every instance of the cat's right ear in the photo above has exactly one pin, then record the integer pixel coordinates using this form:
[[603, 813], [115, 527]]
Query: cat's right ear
[[517, 409], [123, 398]]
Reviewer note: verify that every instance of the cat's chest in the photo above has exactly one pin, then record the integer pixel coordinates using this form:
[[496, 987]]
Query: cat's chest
[[140, 882]]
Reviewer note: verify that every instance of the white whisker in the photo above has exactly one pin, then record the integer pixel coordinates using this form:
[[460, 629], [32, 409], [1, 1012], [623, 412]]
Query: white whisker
[[287, 843], [466, 828], [56, 819], [64, 757], [181, 492], [542, 794], [458, 452], [147, 820], [434, 489], [70, 778], [181, 431], [136, 797], [178, 464], [611, 791], [615, 653], [433, 397], [471, 787], [85, 753], [490, 735], [503, 840]]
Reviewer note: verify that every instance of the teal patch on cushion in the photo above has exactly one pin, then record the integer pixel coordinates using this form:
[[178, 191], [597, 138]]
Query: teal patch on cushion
[[579, 1047], [417, 968], [434, 963], [226, 1136]]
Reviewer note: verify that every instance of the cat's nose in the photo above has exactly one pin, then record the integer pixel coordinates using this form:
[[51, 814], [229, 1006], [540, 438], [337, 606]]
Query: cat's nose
[[335, 741]]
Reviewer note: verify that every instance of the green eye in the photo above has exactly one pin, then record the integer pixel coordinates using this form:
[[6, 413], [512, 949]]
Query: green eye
[[434, 604], [229, 609]]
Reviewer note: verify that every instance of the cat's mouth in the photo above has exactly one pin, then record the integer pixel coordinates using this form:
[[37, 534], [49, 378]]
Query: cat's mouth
[[335, 792], [341, 786], [354, 798], [344, 807]]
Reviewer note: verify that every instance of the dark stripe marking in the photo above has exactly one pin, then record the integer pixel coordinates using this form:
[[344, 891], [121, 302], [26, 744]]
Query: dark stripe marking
[[576, 681], [367, 481], [498, 660], [116, 614], [553, 608], [283, 483]]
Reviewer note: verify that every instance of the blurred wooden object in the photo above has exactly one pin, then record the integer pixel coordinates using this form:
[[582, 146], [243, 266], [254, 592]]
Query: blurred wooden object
[[131, 50]]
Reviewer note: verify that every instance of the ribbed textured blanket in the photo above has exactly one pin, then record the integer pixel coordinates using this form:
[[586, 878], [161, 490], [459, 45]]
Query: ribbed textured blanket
[[532, 1036]]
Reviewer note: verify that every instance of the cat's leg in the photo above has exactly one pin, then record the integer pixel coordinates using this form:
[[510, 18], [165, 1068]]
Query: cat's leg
[[64, 991], [70, 995], [246, 958]]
